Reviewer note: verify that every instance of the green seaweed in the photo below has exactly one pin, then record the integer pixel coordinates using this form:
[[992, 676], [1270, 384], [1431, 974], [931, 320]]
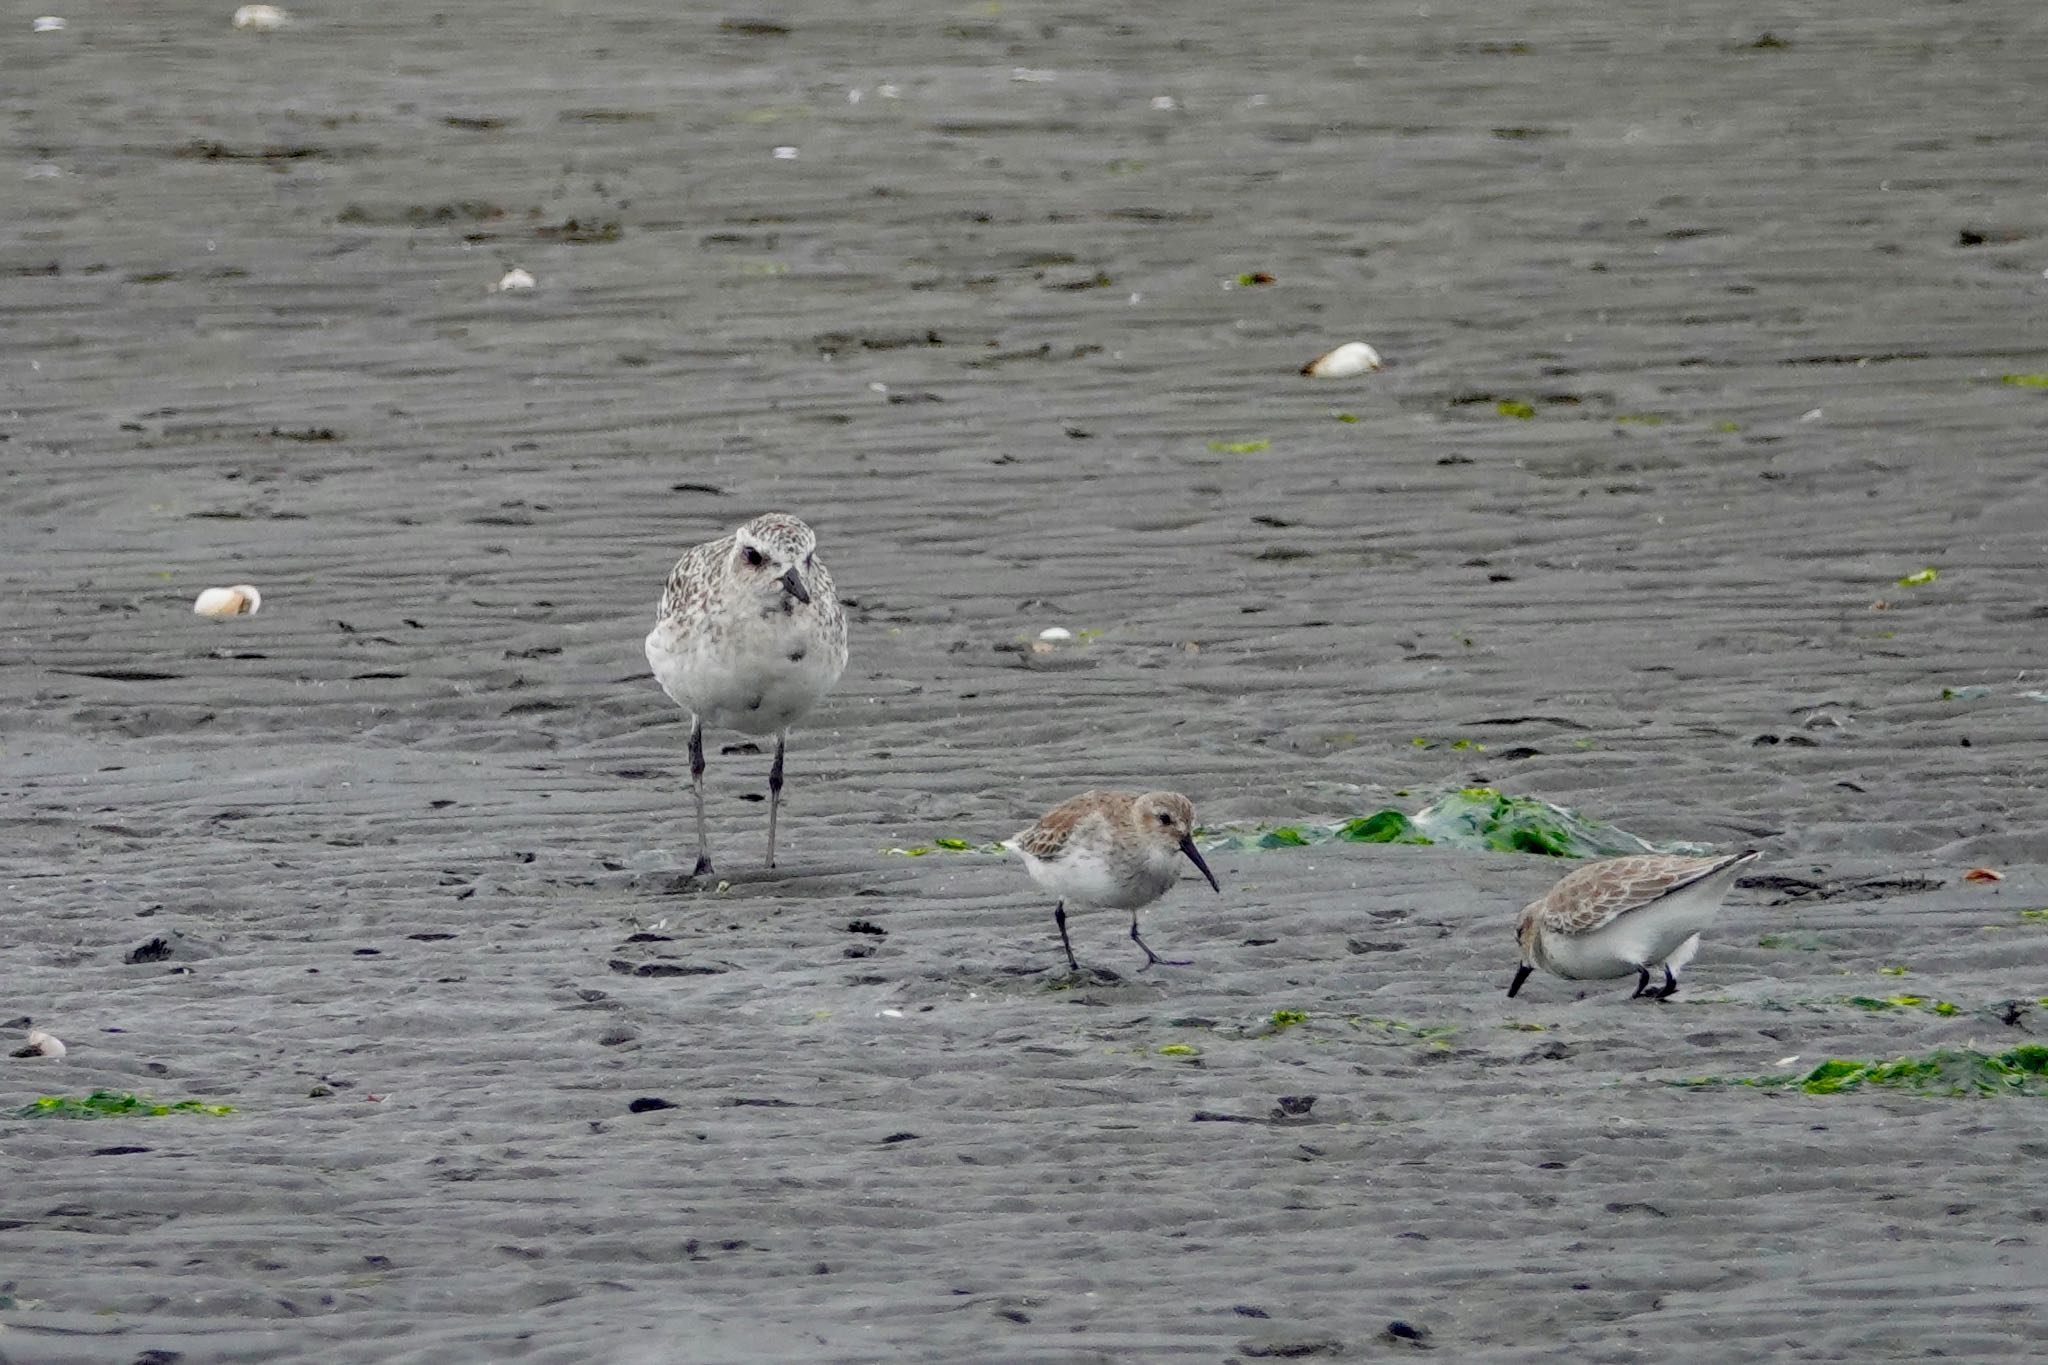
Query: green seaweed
[[1238, 447], [1429, 1033], [943, 844], [1345, 416], [1180, 1050], [1920, 578], [2025, 381], [1381, 827], [2039, 916], [1287, 1019], [1474, 818], [1951, 1072], [1515, 408], [109, 1104], [1901, 1002], [1804, 943]]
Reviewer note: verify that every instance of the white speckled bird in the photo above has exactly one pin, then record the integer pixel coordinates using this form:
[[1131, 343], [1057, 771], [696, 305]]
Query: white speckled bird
[[1113, 849], [749, 637], [1624, 915]]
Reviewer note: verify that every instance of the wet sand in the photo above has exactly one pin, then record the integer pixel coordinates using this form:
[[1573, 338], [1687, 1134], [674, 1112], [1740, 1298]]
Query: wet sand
[[412, 838]]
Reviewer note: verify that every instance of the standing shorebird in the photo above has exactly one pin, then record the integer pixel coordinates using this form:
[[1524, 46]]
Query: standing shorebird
[[1624, 915], [1112, 849], [749, 636]]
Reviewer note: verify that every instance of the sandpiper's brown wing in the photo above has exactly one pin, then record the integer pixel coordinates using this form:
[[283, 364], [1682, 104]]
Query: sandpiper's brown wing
[[1593, 896], [1045, 839]]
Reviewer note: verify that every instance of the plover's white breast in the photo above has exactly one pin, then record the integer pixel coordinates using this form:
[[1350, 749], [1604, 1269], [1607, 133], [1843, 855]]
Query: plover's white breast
[[756, 677]]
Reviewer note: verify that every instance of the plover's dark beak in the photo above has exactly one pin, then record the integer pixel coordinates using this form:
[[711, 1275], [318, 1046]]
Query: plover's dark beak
[[794, 586], [1521, 975], [1187, 846]]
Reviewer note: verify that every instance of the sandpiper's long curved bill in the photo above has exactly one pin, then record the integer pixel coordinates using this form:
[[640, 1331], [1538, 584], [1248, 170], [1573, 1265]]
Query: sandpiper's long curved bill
[[1521, 975], [794, 586], [1187, 846]]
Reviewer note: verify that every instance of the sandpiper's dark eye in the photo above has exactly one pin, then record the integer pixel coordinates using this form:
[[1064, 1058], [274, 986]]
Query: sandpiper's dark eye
[[752, 556], [1165, 817]]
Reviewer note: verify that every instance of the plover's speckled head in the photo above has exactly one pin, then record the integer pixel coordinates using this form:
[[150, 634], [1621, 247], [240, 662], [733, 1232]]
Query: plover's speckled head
[[779, 553], [778, 538]]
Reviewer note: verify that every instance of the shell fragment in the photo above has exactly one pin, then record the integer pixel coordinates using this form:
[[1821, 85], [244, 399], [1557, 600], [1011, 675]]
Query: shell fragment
[[43, 1044], [515, 278], [1352, 358], [261, 18], [220, 603]]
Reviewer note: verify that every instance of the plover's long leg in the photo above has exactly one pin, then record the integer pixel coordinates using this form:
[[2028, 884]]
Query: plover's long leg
[[775, 792], [1152, 958], [1642, 982], [1670, 984], [1059, 917], [697, 789]]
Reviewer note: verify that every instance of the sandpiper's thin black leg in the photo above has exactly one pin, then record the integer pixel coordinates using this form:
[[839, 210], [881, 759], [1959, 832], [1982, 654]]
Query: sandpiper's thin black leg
[[1670, 984], [697, 789], [1059, 917], [1151, 957], [1642, 982], [774, 794]]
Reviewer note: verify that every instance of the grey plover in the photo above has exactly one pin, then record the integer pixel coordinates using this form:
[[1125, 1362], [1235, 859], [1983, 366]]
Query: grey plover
[[750, 635], [1117, 850], [1623, 915]]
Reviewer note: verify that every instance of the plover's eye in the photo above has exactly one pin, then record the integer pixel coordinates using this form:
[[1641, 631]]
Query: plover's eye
[[752, 557]]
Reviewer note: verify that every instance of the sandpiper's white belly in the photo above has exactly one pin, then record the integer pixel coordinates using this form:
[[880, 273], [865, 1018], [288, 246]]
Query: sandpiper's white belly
[[1665, 931], [1083, 875], [758, 682]]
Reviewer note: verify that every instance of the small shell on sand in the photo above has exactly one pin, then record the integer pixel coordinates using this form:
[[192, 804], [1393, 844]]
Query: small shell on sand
[[1353, 357], [49, 23], [515, 278], [240, 600], [1055, 633], [45, 1044], [261, 18]]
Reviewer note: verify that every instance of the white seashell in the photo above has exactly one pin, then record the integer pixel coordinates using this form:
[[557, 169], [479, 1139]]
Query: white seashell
[[1055, 633], [1787, 1061], [261, 18], [1163, 102], [46, 1043], [49, 23], [1353, 357], [889, 92], [785, 153], [1030, 76], [240, 600], [515, 278]]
